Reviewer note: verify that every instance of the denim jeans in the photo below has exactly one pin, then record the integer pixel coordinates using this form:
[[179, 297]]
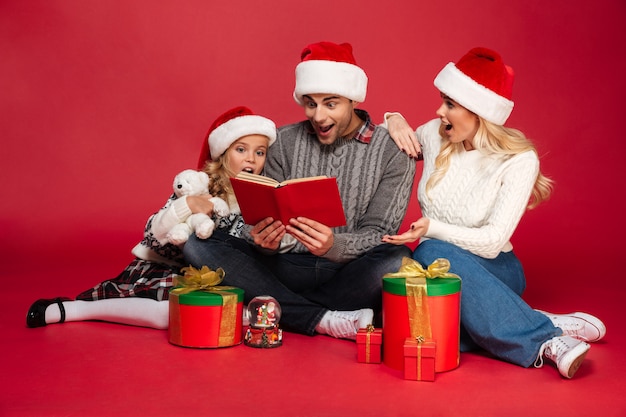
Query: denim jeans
[[306, 286], [493, 315]]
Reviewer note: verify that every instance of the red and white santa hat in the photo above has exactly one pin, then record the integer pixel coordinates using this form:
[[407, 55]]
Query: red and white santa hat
[[327, 67], [481, 83], [231, 126]]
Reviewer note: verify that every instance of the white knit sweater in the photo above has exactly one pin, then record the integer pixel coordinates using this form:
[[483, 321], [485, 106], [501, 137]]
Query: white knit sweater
[[479, 202]]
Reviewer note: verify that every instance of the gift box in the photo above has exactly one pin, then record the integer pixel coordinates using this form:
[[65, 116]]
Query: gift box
[[439, 311], [419, 359], [369, 344], [204, 315]]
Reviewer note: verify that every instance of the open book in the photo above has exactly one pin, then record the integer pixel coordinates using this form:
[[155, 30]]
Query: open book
[[316, 198]]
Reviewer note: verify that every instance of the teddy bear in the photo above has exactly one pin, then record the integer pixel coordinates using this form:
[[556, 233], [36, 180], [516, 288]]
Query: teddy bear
[[189, 183]]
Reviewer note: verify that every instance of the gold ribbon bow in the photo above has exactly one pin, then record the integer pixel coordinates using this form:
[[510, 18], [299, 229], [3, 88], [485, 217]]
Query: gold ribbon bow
[[205, 279], [410, 268], [416, 291]]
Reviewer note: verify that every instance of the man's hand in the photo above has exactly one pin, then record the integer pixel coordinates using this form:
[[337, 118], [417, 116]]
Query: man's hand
[[267, 233], [315, 236]]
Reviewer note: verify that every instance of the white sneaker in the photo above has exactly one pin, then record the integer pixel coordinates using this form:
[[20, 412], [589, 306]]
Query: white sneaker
[[581, 326], [345, 324], [566, 352]]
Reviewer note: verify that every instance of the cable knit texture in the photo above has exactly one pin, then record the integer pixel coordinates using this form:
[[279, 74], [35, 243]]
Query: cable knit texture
[[481, 199], [374, 182]]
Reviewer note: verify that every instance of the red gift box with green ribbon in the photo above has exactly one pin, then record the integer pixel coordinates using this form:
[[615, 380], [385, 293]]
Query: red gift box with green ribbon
[[204, 314], [423, 303]]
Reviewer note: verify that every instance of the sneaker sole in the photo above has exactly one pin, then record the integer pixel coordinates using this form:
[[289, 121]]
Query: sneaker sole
[[580, 357]]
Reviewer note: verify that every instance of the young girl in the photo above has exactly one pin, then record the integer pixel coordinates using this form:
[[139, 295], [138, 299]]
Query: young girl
[[478, 178], [237, 141]]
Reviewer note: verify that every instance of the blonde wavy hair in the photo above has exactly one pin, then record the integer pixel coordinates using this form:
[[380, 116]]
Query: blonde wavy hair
[[219, 172], [493, 139]]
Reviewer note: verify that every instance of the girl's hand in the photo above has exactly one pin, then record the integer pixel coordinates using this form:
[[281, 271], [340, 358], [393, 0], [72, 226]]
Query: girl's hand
[[267, 233], [200, 204], [315, 236], [418, 229], [403, 135]]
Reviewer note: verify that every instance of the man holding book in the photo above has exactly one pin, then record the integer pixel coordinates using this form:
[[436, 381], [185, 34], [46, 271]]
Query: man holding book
[[330, 282]]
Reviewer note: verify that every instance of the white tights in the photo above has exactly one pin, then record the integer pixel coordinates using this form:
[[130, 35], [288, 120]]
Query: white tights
[[134, 311]]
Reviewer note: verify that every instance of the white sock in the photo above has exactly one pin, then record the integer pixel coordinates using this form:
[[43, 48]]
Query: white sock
[[134, 311]]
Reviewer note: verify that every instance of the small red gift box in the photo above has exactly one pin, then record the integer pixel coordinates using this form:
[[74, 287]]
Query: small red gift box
[[368, 344], [419, 360]]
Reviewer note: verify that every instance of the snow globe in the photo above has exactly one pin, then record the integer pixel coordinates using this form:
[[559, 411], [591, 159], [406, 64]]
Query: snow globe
[[263, 314]]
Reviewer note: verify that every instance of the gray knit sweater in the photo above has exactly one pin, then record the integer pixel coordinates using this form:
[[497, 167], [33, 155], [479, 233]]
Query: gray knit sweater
[[374, 178]]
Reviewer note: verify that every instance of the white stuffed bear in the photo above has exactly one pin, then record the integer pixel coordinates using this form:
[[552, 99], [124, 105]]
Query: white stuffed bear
[[189, 183]]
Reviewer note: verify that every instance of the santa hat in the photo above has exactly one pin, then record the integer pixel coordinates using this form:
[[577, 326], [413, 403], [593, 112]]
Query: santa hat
[[481, 83], [230, 126], [329, 68]]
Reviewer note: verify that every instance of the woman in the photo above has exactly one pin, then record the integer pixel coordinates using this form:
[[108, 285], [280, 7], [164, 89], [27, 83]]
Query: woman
[[478, 179]]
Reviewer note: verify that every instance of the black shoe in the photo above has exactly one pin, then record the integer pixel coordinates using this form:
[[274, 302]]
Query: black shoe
[[36, 316]]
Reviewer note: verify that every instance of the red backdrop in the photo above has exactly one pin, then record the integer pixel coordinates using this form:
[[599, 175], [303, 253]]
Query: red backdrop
[[102, 102]]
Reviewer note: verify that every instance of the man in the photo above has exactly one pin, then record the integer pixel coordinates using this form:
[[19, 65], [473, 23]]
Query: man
[[330, 281]]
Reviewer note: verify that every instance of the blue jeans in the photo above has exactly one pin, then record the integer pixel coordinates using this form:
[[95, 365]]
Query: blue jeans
[[493, 315], [306, 286]]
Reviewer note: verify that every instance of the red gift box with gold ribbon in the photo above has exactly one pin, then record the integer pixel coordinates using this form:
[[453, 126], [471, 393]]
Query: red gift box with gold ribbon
[[424, 303], [419, 359], [368, 344], [204, 314]]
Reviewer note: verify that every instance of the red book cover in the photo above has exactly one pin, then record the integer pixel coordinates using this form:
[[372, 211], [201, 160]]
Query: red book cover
[[316, 198]]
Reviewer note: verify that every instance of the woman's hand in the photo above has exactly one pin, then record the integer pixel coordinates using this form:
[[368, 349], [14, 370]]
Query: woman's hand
[[317, 237], [418, 229], [200, 204], [403, 135], [268, 233]]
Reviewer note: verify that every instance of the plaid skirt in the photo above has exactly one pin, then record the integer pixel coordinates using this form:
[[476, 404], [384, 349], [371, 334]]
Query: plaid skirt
[[140, 279]]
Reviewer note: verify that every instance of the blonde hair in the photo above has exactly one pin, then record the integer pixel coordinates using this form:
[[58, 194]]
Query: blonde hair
[[493, 139], [219, 175]]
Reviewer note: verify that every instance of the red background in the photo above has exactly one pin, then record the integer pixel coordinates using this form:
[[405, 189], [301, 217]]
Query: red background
[[102, 102]]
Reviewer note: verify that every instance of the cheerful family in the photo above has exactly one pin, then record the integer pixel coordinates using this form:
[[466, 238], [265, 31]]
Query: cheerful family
[[478, 178]]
